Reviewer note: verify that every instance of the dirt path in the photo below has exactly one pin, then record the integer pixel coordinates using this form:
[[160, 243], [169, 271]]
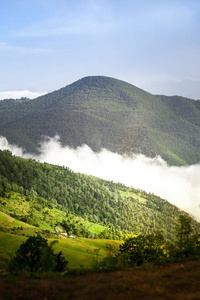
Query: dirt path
[[178, 281]]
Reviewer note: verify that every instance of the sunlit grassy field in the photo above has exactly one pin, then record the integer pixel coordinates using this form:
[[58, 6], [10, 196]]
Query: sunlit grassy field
[[9, 222], [80, 252]]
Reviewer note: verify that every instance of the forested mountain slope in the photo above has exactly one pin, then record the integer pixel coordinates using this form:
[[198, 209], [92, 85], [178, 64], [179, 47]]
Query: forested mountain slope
[[121, 210], [107, 113]]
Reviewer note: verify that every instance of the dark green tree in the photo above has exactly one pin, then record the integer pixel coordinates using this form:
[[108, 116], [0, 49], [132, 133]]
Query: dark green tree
[[36, 255], [61, 263], [185, 242], [143, 248]]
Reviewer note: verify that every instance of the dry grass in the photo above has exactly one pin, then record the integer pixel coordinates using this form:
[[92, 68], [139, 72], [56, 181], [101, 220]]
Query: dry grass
[[171, 281]]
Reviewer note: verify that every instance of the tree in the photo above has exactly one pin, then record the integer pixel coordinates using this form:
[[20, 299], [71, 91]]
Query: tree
[[143, 248], [61, 263], [36, 255], [184, 240]]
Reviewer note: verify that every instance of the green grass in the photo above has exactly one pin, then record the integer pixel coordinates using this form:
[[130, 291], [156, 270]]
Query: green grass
[[131, 194], [96, 228], [9, 243], [9, 222], [172, 156], [79, 252]]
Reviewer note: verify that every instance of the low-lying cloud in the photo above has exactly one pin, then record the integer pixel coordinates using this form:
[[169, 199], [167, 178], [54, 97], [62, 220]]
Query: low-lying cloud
[[20, 94], [179, 185]]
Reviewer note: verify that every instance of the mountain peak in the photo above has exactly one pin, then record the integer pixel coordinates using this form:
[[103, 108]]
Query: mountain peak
[[105, 112], [101, 81]]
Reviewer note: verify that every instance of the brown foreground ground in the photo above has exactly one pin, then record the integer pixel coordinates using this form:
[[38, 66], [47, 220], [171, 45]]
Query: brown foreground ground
[[170, 281]]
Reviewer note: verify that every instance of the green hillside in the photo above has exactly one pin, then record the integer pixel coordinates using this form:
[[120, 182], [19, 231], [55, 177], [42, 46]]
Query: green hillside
[[107, 113], [54, 199], [80, 252], [24, 215]]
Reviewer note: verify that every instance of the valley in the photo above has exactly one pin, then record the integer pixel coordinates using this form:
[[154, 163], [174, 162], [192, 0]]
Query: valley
[[39, 198], [42, 199], [100, 150]]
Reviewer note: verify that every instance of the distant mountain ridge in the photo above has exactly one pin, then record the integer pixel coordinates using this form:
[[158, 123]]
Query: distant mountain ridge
[[185, 88], [104, 112]]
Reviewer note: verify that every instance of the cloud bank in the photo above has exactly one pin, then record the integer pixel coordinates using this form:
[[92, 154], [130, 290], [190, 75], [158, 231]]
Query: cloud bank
[[178, 185], [20, 94]]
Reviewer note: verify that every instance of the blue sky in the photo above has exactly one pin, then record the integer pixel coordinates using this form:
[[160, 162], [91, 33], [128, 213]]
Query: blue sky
[[48, 44]]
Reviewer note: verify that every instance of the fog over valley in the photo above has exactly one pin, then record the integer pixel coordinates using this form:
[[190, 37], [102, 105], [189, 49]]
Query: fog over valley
[[178, 185]]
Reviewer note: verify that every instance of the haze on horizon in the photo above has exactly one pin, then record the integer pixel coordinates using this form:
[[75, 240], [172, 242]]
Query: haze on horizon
[[46, 45]]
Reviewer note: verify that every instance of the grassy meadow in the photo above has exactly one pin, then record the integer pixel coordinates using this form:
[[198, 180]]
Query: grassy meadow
[[80, 252]]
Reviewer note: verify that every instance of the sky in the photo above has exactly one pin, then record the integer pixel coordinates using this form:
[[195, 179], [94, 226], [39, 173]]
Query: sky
[[48, 44]]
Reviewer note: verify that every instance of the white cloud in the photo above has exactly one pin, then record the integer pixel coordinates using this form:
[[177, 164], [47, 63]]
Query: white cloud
[[20, 94], [179, 185], [4, 145]]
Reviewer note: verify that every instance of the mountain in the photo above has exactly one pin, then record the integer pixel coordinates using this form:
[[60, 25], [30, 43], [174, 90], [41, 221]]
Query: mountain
[[107, 113], [51, 197]]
